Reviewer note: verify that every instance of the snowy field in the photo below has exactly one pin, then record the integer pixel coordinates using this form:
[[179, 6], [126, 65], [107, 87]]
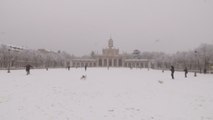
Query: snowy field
[[114, 94]]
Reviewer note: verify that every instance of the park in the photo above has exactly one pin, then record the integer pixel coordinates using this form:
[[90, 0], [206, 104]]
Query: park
[[105, 94]]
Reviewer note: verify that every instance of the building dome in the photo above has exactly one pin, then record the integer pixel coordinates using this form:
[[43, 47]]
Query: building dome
[[110, 43]]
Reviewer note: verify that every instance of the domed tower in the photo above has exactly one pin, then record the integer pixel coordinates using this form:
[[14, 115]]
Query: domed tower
[[110, 43], [110, 51]]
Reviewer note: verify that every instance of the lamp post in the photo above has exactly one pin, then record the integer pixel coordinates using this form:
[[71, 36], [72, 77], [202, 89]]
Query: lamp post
[[196, 63], [8, 70], [205, 62]]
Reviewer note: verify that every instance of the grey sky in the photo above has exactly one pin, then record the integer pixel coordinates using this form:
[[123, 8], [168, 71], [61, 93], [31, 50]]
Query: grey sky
[[80, 26]]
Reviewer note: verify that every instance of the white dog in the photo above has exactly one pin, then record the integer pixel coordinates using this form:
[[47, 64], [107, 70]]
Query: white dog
[[83, 77]]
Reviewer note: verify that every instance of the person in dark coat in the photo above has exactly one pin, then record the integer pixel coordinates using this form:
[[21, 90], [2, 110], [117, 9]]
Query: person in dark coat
[[172, 71], [68, 67], [46, 67], [85, 67], [205, 71], [186, 72], [28, 66]]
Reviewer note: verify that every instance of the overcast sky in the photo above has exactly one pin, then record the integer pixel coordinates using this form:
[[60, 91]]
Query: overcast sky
[[80, 26]]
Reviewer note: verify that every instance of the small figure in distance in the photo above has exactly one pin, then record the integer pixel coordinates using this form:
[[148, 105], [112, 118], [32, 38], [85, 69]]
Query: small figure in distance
[[46, 67], [28, 66], [205, 71], [186, 72], [85, 67], [172, 71], [68, 67]]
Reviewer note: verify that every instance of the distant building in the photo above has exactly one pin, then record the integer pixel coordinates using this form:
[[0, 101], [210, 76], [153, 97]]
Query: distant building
[[110, 57]]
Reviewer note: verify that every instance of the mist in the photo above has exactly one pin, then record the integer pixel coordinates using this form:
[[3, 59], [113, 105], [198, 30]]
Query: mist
[[81, 26]]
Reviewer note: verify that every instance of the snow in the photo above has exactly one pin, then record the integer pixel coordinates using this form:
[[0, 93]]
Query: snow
[[114, 94]]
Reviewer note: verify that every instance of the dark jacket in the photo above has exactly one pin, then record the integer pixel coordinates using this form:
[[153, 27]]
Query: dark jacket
[[172, 69], [186, 70], [28, 67]]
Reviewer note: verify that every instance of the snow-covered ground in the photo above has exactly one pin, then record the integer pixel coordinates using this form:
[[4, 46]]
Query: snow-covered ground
[[114, 94]]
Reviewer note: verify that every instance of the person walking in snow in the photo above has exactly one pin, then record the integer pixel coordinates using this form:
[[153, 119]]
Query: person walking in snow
[[172, 71], [85, 67], [68, 67], [186, 72], [28, 66]]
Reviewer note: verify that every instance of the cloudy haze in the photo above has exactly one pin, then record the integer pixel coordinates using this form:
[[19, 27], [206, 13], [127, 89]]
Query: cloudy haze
[[80, 26]]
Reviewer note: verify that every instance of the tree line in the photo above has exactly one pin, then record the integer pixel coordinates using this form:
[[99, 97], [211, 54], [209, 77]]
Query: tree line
[[198, 59], [17, 58]]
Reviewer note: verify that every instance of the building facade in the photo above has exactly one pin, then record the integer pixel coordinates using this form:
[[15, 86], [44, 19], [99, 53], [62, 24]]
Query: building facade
[[110, 57]]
